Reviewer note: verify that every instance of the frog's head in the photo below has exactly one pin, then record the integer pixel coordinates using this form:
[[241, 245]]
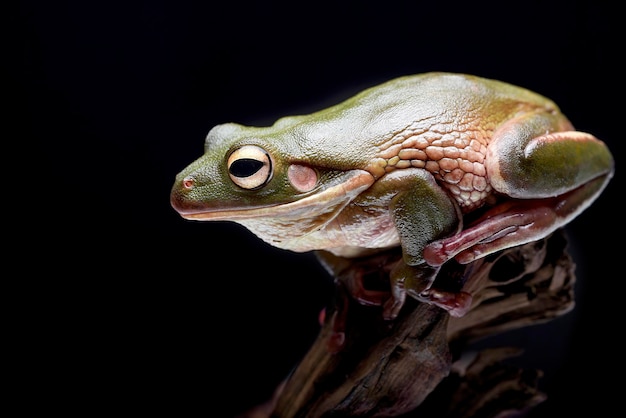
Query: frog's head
[[250, 172]]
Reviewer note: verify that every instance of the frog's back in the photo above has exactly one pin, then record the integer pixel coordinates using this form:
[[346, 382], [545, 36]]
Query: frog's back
[[352, 132], [441, 122], [454, 118]]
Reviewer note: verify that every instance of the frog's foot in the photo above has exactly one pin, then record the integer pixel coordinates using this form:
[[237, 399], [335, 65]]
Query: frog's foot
[[502, 227], [511, 223], [413, 280], [456, 303]]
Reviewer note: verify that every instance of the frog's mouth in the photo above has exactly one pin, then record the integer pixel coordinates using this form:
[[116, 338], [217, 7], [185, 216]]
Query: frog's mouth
[[351, 185]]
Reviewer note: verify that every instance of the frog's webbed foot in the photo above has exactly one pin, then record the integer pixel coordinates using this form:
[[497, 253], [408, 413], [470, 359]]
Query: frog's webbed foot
[[511, 223], [508, 224]]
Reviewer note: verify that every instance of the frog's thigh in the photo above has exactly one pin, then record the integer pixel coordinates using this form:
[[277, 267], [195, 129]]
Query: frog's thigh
[[551, 177], [540, 155]]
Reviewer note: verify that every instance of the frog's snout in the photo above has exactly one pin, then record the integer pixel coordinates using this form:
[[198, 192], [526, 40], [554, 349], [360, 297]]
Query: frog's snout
[[177, 197], [182, 195]]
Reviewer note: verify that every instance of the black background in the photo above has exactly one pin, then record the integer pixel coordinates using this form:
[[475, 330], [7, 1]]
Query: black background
[[133, 309]]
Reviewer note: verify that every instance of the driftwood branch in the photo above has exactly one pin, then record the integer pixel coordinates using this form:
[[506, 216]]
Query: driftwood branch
[[417, 364]]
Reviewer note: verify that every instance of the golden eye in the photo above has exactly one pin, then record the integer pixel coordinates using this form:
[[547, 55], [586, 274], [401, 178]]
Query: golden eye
[[250, 167]]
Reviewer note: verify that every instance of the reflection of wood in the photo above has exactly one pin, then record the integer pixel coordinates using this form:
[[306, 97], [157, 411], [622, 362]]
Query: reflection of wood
[[372, 371], [416, 364]]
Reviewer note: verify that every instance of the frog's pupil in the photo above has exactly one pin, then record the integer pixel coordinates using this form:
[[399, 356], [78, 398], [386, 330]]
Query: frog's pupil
[[245, 167]]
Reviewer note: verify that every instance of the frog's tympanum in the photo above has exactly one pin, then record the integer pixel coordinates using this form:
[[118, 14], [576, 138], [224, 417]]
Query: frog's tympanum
[[443, 166]]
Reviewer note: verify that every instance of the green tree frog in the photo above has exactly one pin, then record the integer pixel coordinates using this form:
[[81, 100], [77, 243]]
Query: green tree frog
[[442, 165]]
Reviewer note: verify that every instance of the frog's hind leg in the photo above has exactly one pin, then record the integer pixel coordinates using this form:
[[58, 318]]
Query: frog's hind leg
[[550, 177], [538, 161]]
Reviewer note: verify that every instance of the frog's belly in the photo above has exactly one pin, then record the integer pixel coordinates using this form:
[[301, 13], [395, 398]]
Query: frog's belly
[[347, 244], [361, 236], [346, 235]]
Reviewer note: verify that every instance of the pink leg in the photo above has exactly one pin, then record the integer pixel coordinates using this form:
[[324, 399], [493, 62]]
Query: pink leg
[[511, 223]]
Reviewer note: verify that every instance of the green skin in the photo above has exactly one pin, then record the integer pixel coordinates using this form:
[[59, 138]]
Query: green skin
[[402, 164]]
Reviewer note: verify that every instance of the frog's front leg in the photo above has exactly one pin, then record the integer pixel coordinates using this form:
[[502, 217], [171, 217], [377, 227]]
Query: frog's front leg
[[550, 172], [422, 212]]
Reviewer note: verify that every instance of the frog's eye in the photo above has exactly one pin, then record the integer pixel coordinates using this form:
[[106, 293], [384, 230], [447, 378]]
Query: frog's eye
[[250, 167]]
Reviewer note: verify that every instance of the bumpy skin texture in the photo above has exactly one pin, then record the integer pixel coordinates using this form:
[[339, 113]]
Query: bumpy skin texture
[[407, 163]]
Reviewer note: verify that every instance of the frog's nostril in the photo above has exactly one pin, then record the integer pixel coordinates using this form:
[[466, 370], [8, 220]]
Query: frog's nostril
[[188, 182]]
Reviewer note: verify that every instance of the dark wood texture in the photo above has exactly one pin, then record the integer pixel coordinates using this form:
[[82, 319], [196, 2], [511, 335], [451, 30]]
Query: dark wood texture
[[417, 364]]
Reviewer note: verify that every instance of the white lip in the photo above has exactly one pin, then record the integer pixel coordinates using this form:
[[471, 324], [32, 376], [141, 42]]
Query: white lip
[[357, 181]]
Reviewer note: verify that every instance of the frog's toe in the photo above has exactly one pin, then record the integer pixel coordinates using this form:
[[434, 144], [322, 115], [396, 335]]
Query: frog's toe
[[456, 303], [435, 253]]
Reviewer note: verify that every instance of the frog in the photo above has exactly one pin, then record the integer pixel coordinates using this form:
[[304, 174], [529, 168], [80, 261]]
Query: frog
[[439, 166]]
